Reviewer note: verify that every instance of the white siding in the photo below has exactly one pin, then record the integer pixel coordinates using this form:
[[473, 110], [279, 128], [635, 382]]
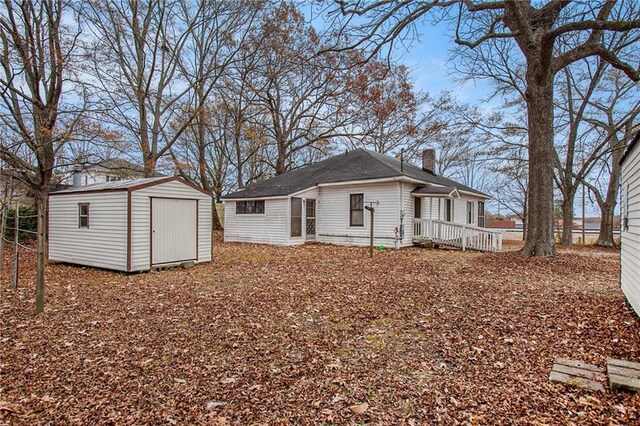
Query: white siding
[[333, 214], [460, 209], [630, 249], [430, 207], [103, 244], [272, 227], [408, 208], [141, 221]]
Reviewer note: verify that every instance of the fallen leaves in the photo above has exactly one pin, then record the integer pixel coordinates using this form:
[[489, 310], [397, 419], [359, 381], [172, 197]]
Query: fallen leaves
[[359, 408], [282, 335]]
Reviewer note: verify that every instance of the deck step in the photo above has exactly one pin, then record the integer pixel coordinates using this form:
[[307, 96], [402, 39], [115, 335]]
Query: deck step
[[623, 375], [578, 374]]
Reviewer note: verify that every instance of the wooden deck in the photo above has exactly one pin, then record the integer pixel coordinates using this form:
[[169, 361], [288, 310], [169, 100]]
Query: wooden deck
[[466, 237], [623, 375], [578, 374]]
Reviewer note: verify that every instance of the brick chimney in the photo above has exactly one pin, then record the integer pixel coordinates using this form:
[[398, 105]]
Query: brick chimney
[[429, 160]]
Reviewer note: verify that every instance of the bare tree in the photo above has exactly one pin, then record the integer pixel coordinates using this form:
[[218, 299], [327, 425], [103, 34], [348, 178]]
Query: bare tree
[[510, 189], [216, 43], [35, 57], [537, 30], [615, 122], [243, 136], [387, 112], [139, 66], [297, 89]]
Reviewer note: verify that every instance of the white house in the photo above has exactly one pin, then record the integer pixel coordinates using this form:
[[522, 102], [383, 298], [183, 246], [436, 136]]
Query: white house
[[131, 225], [326, 202], [630, 224], [107, 170]]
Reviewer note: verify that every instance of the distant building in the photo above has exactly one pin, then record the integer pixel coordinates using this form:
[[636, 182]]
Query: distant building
[[502, 224], [109, 170]]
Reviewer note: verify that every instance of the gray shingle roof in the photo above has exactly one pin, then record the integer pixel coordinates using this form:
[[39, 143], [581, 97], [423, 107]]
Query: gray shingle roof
[[431, 189], [356, 165]]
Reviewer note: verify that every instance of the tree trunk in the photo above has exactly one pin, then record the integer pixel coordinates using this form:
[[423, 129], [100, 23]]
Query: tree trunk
[[215, 225], [281, 160], [525, 220], [605, 236], [149, 166], [217, 193], [567, 218], [41, 207], [539, 98], [607, 209]]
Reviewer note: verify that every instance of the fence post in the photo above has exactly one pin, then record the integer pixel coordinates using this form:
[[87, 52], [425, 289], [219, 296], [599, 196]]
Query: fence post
[[3, 225], [16, 253]]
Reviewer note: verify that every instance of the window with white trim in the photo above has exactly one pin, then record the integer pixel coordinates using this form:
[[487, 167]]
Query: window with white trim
[[356, 210], [83, 215], [250, 207]]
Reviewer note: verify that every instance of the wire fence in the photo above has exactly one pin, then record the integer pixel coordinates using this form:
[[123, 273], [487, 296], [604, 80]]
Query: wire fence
[[17, 230]]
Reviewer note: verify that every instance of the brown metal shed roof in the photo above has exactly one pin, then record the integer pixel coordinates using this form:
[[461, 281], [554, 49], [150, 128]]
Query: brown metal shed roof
[[128, 185]]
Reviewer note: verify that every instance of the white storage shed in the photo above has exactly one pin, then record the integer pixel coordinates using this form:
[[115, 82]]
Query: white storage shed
[[131, 225], [630, 224]]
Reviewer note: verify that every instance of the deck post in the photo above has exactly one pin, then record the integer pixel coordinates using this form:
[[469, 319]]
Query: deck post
[[464, 238]]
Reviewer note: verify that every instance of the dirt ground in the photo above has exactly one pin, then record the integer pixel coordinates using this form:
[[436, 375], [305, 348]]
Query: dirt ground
[[267, 335]]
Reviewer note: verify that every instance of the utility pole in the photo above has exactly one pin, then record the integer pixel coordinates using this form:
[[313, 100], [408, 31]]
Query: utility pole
[[584, 241]]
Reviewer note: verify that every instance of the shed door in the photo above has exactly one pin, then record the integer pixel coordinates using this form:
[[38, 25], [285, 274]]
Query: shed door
[[174, 230]]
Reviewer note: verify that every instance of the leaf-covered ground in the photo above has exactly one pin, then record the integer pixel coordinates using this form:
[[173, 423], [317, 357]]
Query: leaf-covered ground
[[299, 335]]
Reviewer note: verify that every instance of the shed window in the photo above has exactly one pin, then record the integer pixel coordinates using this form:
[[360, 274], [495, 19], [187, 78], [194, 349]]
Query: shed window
[[356, 210], [250, 207], [470, 212], [83, 215]]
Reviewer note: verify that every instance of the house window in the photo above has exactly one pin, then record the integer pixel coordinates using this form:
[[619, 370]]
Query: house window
[[448, 210], [296, 217], [356, 210], [83, 215], [481, 221], [470, 212], [417, 207], [250, 207]]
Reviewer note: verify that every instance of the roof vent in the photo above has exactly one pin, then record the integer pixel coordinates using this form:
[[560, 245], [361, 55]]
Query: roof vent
[[429, 160]]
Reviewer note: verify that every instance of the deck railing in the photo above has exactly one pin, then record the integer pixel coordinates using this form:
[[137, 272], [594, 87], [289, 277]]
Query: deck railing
[[457, 235]]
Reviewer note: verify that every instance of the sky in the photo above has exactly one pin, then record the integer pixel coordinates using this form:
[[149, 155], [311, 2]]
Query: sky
[[428, 57]]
